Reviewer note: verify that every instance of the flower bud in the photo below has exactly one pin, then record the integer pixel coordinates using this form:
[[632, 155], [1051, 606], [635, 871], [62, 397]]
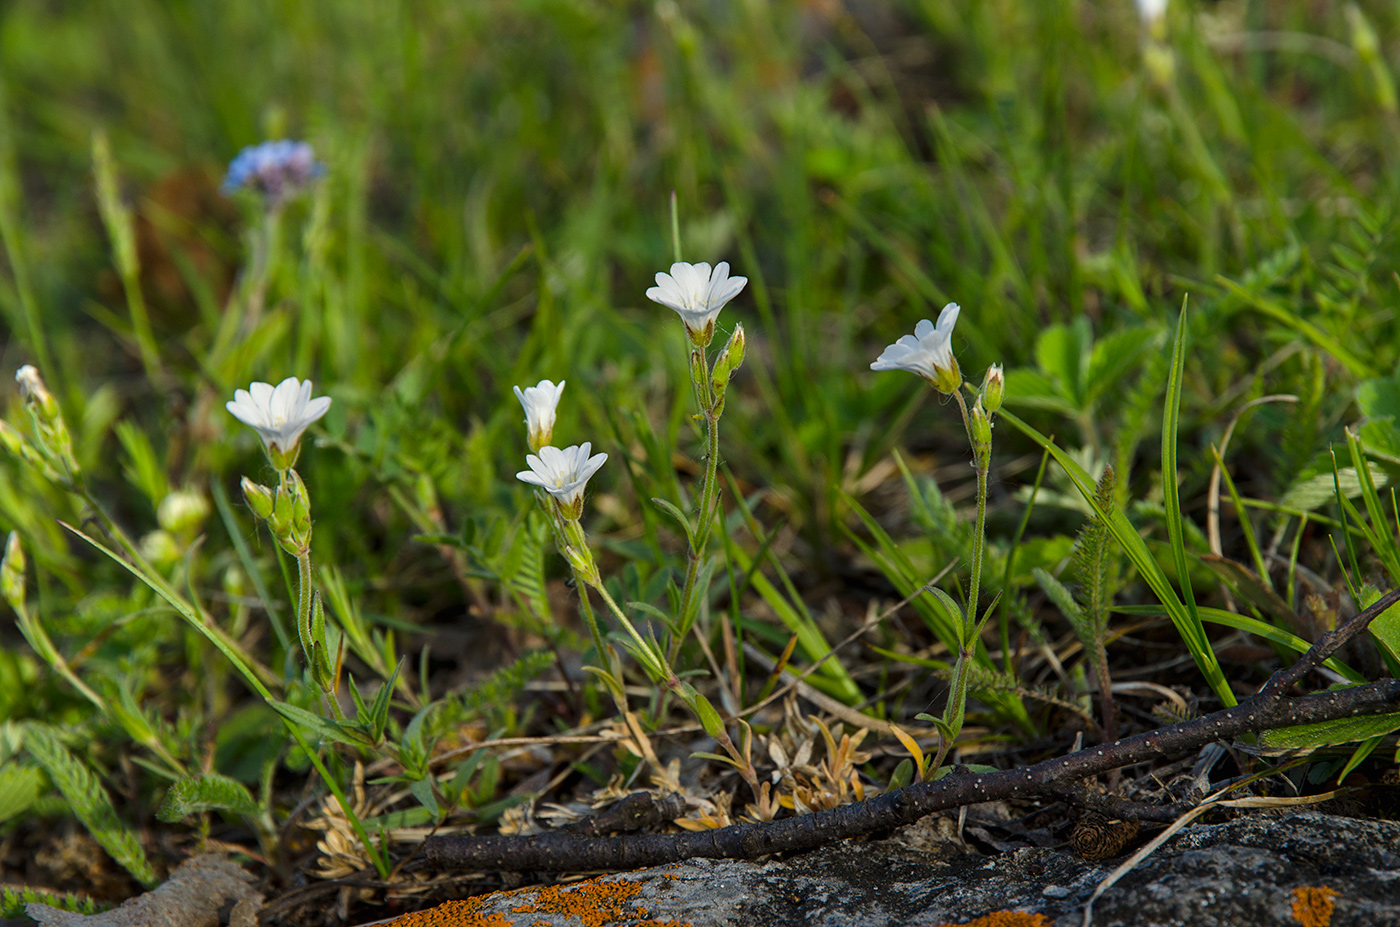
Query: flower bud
[[981, 427], [235, 582], [36, 394], [259, 498], [301, 503], [728, 361], [160, 548], [18, 446], [12, 573], [994, 388], [697, 367], [182, 512], [581, 561]]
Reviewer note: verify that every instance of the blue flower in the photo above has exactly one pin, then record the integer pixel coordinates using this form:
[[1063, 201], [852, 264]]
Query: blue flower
[[278, 170]]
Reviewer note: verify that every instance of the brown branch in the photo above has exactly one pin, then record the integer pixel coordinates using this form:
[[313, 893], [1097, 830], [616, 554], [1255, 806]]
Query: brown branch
[[1268, 710], [1326, 645], [559, 852]]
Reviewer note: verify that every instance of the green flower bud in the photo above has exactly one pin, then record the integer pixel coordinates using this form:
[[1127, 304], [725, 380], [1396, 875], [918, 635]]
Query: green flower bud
[[728, 361], [182, 512], [994, 388], [12, 573], [981, 437], [36, 394], [259, 498], [19, 447], [161, 549]]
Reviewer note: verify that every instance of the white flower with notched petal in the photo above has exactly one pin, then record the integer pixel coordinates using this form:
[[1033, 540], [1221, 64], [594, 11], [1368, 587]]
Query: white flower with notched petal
[[697, 294], [928, 352], [279, 414], [563, 474], [540, 401]]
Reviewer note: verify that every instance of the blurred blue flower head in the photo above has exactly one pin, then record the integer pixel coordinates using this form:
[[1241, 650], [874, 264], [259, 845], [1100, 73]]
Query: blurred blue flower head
[[278, 170]]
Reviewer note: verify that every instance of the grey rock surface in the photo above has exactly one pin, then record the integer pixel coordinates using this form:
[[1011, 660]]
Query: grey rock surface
[[1243, 872]]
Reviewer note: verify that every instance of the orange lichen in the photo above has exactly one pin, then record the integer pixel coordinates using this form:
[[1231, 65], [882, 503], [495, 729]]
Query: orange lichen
[[1004, 919], [595, 903], [1312, 907], [464, 913]]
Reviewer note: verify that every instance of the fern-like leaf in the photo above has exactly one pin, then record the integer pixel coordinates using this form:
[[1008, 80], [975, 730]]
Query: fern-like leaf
[[205, 792], [1094, 566], [89, 801], [15, 901]]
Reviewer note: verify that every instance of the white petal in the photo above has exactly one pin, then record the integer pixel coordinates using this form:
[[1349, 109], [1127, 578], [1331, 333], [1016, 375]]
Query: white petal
[[948, 317]]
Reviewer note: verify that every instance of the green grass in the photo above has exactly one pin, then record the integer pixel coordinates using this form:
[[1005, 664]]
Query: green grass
[[495, 206]]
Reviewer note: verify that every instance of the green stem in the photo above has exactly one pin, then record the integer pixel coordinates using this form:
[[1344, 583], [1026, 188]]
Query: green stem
[[709, 499], [658, 668], [954, 712], [304, 604]]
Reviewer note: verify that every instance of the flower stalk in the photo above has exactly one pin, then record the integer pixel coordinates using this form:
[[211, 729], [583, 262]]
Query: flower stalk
[[929, 354]]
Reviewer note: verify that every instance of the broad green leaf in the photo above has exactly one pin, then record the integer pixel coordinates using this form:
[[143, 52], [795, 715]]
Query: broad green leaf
[[19, 788], [1033, 389], [1062, 351], [1379, 398]]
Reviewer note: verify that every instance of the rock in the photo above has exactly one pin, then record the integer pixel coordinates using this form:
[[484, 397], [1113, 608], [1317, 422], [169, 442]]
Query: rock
[[1261, 870], [204, 891]]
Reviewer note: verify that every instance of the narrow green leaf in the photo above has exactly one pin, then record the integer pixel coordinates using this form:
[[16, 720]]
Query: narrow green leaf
[[1171, 498], [1332, 733], [679, 516], [1127, 537]]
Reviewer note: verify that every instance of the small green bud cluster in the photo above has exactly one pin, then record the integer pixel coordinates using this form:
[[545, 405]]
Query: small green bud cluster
[[728, 361], [51, 451], [287, 511]]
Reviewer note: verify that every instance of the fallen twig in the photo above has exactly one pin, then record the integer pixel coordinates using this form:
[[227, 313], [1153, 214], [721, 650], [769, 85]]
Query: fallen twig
[[1268, 710]]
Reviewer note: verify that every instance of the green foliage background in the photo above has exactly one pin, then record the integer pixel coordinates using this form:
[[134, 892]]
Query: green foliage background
[[495, 206]]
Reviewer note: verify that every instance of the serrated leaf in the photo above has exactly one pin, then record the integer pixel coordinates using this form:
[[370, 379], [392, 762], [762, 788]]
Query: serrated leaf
[[89, 802], [1113, 357], [205, 792], [1062, 351], [1061, 596], [1332, 733]]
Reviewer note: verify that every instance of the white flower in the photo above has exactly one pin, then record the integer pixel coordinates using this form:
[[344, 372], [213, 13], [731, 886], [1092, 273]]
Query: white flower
[[540, 402], [928, 352], [1152, 11], [280, 414], [563, 474], [30, 383], [698, 294]]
